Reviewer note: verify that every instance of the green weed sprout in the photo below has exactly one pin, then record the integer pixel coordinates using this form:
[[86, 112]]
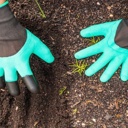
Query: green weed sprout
[[79, 67], [94, 40], [61, 91], [41, 11], [74, 111]]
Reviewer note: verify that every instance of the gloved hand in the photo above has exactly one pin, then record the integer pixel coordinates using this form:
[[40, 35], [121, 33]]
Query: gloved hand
[[114, 49], [16, 46]]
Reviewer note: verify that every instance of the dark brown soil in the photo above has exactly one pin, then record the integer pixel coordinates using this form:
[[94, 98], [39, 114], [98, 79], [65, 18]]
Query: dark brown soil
[[86, 103]]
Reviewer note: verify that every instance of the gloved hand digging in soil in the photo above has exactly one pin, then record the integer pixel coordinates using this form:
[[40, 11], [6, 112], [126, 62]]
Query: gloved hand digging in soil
[[16, 46], [114, 49]]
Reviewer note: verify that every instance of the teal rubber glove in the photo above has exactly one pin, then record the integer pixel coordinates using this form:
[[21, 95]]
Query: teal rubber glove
[[17, 44], [114, 49]]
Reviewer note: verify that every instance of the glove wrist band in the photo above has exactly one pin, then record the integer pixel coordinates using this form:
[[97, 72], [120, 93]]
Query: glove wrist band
[[12, 34], [119, 31]]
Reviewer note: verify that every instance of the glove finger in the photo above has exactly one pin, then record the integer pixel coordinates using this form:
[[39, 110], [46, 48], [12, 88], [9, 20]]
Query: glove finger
[[111, 69], [13, 88], [90, 51], [124, 71], [31, 83], [99, 64], [10, 74], [27, 75], [96, 30], [2, 82], [24, 69], [11, 81], [42, 51]]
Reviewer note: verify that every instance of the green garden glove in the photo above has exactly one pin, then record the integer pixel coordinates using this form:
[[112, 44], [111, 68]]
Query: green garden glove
[[16, 46], [114, 49]]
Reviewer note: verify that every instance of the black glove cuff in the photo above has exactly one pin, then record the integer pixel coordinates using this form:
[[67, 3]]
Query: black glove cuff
[[12, 34], [121, 38]]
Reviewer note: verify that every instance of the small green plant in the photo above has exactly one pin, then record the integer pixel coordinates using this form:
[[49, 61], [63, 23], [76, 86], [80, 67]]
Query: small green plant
[[79, 67], [94, 40], [74, 111], [41, 11], [61, 91]]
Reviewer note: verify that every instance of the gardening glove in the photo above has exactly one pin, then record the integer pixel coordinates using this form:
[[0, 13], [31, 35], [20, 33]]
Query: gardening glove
[[114, 49], [16, 46]]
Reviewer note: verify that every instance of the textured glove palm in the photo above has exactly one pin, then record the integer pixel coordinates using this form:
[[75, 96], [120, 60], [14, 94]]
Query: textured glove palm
[[114, 49]]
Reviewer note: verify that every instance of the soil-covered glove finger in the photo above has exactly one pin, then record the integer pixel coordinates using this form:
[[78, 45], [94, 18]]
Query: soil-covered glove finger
[[27, 75], [90, 51], [2, 81], [111, 69], [96, 30], [13, 88], [124, 71], [11, 81], [42, 51], [99, 64], [31, 83]]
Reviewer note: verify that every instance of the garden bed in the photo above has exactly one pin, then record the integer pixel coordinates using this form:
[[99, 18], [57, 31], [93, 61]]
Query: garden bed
[[66, 100]]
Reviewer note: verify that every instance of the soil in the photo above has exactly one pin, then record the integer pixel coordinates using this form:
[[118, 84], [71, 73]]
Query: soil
[[86, 102]]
